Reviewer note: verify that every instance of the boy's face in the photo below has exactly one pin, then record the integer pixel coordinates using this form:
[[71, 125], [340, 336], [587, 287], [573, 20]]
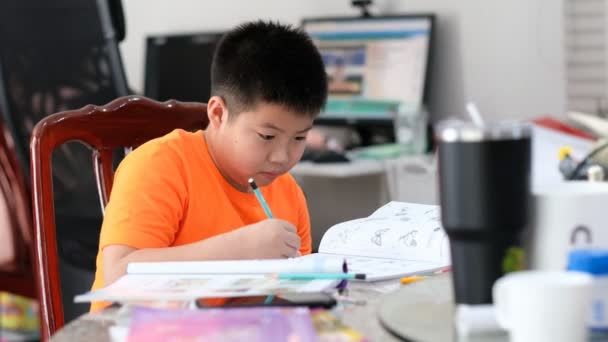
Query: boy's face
[[262, 143]]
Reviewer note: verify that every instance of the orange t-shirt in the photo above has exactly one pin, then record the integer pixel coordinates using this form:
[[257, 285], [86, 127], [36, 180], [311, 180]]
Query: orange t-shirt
[[169, 192]]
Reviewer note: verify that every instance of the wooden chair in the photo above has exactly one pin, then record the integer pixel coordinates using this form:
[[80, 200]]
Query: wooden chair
[[16, 268], [125, 122]]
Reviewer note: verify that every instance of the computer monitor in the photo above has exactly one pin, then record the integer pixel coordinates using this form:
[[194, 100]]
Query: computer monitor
[[179, 66], [374, 64]]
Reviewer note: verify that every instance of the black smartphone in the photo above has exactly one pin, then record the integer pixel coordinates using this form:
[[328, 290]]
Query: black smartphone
[[312, 300]]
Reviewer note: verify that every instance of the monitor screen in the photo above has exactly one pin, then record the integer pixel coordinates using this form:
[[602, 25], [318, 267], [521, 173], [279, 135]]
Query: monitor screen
[[179, 66], [373, 64]]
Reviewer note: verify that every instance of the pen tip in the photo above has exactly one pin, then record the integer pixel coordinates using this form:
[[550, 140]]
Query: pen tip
[[252, 183], [360, 276]]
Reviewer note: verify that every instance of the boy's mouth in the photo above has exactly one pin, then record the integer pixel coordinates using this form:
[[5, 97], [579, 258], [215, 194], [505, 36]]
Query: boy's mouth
[[270, 175]]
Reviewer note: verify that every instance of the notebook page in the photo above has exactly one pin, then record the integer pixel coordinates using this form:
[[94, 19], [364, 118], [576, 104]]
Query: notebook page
[[398, 230], [381, 268], [157, 287], [235, 267]]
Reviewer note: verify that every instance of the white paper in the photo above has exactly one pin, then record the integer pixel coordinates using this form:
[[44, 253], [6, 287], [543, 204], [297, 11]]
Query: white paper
[[154, 281], [376, 269], [398, 230], [397, 240], [155, 287], [265, 266]]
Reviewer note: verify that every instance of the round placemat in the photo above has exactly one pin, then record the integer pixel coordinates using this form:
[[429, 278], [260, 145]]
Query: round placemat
[[420, 311]]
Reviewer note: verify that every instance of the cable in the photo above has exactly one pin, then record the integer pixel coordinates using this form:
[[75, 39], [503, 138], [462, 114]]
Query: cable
[[583, 162]]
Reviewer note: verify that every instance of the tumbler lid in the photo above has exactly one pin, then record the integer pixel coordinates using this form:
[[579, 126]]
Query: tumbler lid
[[463, 131]]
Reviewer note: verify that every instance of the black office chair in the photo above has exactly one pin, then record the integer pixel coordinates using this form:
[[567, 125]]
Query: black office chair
[[54, 56]]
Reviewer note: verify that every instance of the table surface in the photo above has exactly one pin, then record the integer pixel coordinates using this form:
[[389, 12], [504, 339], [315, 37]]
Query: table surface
[[359, 311], [424, 311], [381, 311]]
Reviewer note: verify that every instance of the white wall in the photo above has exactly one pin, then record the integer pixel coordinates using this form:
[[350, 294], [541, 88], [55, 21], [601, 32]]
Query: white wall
[[507, 56]]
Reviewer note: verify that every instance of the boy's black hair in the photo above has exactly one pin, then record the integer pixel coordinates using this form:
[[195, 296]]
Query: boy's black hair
[[269, 62]]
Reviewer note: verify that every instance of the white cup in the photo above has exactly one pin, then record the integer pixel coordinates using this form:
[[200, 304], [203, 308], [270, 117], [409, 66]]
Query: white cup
[[564, 217], [543, 305]]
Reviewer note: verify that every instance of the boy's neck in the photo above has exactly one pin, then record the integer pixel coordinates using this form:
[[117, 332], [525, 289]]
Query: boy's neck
[[211, 150]]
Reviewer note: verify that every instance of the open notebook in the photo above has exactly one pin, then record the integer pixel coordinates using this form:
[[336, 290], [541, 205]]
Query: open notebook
[[153, 281], [397, 240]]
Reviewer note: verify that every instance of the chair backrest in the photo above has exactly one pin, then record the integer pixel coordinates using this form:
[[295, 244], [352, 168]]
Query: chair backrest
[[16, 255], [65, 57], [125, 122]]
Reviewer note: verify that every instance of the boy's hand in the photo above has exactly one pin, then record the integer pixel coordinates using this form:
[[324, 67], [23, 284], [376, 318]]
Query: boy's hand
[[270, 238]]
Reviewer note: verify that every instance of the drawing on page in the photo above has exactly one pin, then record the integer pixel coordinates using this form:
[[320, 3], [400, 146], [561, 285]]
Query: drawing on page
[[402, 212], [347, 233], [430, 211], [432, 215], [377, 237], [436, 232], [409, 239]]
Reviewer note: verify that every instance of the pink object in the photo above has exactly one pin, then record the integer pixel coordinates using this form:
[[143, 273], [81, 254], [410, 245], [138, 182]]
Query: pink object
[[234, 324]]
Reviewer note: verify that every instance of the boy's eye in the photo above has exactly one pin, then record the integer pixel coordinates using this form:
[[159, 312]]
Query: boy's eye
[[266, 137], [300, 138]]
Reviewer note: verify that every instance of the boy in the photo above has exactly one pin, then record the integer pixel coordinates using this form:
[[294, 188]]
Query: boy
[[185, 196]]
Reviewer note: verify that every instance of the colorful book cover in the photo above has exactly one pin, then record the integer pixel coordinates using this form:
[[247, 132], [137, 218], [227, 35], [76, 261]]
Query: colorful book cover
[[234, 324], [331, 329], [18, 313]]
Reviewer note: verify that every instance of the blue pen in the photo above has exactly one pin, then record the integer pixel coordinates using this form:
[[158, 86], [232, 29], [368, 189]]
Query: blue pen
[[258, 194], [262, 201], [268, 299]]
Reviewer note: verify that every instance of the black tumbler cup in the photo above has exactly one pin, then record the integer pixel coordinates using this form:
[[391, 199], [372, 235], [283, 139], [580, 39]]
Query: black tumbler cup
[[484, 186]]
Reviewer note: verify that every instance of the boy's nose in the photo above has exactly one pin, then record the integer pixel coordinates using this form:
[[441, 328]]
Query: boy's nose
[[279, 156]]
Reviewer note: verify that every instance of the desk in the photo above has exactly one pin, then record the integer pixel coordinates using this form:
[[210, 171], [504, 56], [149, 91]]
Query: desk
[[423, 311], [96, 327]]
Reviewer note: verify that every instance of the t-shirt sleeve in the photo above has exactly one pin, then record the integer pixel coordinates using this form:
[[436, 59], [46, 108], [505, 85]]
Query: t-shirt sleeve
[[303, 222], [148, 199]]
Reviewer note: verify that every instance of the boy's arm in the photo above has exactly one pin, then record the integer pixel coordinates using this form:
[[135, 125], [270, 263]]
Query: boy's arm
[[303, 222], [148, 200], [271, 238]]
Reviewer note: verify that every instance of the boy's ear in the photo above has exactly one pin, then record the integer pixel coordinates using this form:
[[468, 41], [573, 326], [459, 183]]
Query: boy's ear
[[217, 112]]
